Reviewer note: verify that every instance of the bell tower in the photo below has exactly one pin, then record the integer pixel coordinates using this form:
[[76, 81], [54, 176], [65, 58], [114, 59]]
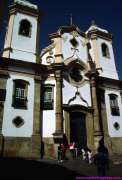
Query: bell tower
[[21, 42], [101, 51]]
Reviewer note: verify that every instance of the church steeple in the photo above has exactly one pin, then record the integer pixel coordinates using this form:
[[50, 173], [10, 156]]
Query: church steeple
[[21, 37], [101, 51]]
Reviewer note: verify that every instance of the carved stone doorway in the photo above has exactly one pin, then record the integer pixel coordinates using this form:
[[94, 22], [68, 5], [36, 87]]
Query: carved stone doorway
[[78, 132]]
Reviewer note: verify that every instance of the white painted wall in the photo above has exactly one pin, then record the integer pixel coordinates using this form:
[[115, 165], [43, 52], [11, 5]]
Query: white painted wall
[[44, 58], [112, 119], [24, 48], [49, 116], [66, 47], [10, 112], [81, 54], [69, 92], [107, 64]]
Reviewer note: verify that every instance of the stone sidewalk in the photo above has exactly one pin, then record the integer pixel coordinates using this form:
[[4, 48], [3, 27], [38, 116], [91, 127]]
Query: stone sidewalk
[[51, 169], [81, 167]]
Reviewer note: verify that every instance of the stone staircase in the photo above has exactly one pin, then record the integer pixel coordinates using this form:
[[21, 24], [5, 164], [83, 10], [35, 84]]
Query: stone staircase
[[116, 159]]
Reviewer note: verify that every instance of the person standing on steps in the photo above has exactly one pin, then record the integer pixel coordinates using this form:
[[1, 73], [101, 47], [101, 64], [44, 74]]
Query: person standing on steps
[[101, 159], [59, 154]]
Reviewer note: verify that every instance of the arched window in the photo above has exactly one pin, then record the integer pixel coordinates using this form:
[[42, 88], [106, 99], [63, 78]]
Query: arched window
[[114, 104], [48, 96], [25, 28], [20, 88], [105, 50]]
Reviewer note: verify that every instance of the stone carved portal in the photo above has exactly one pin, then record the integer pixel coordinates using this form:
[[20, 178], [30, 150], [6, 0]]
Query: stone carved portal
[[78, 129]]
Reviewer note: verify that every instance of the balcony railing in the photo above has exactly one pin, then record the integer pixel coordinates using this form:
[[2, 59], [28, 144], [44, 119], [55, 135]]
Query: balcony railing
[[20, 102], [115, 111], [48, 105]]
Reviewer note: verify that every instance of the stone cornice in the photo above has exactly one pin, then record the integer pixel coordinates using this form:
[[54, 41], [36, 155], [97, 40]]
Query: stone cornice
[[48, 48], [67, 29], [93, 34], [24, 9], [38, 69], [108, 82], [64, 29], [54, 35], [58, 55], [57, 66], [78, 107], [4, 74]]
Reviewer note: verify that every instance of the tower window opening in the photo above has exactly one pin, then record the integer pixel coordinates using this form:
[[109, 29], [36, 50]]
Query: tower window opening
[[25, 28], [105, 50], [114, 105]]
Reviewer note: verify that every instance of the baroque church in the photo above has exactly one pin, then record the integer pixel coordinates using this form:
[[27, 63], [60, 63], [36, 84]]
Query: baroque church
[[70, 92]]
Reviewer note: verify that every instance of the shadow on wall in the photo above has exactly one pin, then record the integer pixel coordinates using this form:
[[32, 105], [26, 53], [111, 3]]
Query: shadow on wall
[[42, 149]]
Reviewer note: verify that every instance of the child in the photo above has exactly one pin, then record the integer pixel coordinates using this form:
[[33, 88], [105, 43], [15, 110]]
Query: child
[[89, 156], [59, 153], [83, 154]]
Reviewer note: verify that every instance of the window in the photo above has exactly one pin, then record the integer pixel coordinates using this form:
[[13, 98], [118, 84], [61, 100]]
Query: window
[[74, 42], [25, 28], [105, 50], [114, 104], [18, 122], [2, 94], [20, 94], [116, 125], [48, 97], [75, 74]]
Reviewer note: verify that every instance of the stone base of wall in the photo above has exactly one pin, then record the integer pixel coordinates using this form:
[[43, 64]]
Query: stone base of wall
[[22, 147], [1, 145], [30, 148], [114, 145], [50, 150], [96, 143]]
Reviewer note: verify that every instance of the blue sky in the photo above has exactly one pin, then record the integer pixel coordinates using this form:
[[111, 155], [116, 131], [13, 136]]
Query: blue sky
[[106, 13]]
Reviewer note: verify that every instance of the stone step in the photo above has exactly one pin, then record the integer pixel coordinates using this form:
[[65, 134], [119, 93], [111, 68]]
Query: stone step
[[116, 159]]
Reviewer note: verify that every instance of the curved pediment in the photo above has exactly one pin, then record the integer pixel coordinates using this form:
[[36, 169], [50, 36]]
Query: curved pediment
[[74, 60]]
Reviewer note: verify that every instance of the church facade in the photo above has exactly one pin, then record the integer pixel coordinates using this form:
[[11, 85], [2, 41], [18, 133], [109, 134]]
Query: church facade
[[70, 92]]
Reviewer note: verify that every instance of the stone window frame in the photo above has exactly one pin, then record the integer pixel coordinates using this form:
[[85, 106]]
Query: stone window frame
[[76, 64], [75, 74], [105, 50], [20, 98], [27, 28], [113, 98], [48, 105]]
